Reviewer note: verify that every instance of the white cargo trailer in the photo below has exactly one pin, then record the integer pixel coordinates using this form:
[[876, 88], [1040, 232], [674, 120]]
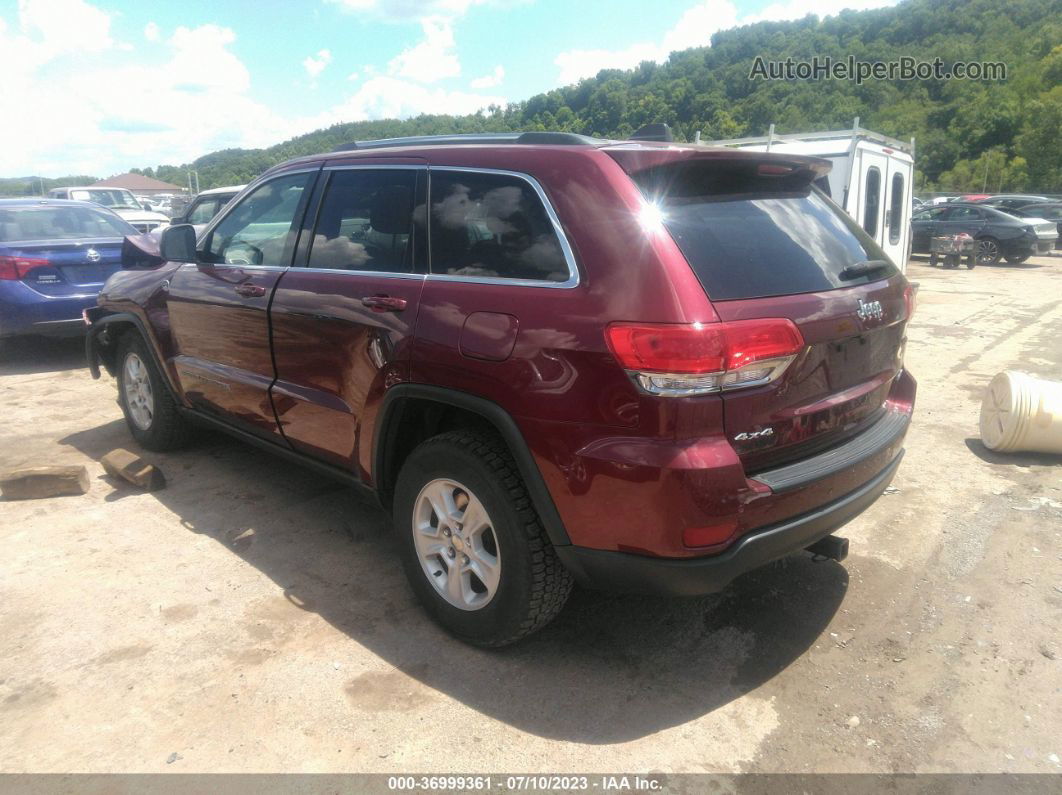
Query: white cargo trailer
[[871, 179]]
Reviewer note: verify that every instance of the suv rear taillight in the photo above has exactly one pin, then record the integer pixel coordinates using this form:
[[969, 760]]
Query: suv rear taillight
[[15, 268], [699, 358], [910, 293]]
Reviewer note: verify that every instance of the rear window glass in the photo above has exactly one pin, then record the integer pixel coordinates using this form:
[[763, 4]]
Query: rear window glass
[[59, 223], [748, 235]]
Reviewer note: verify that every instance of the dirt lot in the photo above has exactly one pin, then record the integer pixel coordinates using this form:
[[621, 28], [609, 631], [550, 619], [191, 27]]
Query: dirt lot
[[252, 617]]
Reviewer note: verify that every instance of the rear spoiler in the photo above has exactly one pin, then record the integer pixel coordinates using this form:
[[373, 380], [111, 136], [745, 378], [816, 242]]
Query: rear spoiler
[[634, 158]]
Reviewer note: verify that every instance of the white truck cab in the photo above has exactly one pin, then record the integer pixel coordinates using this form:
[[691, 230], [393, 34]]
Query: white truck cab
[[871, 179]]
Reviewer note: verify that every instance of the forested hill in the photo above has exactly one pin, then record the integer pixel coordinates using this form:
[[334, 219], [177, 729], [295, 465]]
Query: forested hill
[[1006, 132]]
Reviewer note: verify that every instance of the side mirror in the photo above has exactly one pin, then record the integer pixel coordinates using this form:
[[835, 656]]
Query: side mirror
[[178, 243]]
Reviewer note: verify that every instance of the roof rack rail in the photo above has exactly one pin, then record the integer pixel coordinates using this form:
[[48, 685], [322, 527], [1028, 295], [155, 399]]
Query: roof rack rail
[[532, 138]]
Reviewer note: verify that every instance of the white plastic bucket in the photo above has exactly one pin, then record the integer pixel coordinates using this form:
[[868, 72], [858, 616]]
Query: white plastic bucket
[[1020, 412]]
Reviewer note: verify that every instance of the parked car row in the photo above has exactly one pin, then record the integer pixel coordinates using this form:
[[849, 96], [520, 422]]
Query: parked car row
[[1000, 235], [120, 200]]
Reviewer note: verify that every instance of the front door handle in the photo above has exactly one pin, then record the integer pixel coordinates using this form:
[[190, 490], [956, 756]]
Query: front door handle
[[248, 290], [384, 303]]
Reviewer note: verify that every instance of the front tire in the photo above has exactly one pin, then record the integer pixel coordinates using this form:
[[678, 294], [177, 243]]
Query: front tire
[[150, 411], [1018, 260], [472, 545]]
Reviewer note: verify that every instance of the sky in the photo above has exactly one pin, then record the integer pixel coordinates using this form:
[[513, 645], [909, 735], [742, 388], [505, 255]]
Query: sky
[[98, 88]]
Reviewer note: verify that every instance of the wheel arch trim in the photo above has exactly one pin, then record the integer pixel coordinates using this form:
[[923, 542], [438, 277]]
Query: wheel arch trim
[[389, 418], [92, 354]]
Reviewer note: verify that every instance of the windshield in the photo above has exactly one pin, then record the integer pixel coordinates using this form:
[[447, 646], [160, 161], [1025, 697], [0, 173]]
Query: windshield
[[752, 235], [59, 223], [115, 198]]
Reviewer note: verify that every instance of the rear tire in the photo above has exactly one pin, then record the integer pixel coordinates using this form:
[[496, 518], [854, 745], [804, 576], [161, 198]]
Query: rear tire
[[1018, 260], [485, 525], [151, 413]]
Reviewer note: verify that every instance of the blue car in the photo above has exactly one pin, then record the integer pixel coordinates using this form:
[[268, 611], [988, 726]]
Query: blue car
[[54, 257]]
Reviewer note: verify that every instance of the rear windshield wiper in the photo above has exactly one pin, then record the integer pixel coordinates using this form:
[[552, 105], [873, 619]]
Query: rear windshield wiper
[[862, 268]]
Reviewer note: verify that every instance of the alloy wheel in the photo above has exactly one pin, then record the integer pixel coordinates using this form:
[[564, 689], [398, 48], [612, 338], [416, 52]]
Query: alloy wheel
[[138, 395], [988, 251], [456, 545]]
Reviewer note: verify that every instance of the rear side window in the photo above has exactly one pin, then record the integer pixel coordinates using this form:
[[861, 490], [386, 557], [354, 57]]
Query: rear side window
[[492, 226], [872, 202], [366, 222], [752, 236], [964, 214], [896, 209]]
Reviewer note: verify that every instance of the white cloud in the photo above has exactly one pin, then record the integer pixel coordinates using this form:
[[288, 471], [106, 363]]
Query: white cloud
[[695, 29], [151, 32], [577, 64], [491, 80], [314, 66], [353, 76], [385, 97], [120, 109], [433, 58], [65, 26], [408, 9]]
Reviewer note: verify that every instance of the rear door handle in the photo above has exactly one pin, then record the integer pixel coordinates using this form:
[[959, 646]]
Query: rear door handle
[[384, 303], [248, 290]]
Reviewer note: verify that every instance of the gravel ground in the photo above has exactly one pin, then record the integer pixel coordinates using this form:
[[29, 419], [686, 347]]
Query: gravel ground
[[253, 617]]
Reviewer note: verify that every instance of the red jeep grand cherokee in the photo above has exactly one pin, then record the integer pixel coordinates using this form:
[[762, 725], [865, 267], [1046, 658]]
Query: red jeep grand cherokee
[[554, 359]]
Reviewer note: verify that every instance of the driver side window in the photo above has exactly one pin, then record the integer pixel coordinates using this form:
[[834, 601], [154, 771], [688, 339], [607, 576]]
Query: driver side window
[[261, 229]]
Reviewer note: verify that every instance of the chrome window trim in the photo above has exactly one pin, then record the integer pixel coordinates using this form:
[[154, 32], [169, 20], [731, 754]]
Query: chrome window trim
[[376, 167], [235, 266], [380, 274], [569, 255]]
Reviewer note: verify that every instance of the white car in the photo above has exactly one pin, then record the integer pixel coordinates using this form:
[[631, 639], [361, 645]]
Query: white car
[[120, 200], [205, 205]]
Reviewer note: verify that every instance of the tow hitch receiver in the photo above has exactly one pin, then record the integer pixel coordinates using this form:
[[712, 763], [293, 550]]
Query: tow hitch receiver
[[832, 547]]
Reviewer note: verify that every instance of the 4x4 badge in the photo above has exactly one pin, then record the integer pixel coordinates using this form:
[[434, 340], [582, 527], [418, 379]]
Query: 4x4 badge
[[750, 435], [870, 309]]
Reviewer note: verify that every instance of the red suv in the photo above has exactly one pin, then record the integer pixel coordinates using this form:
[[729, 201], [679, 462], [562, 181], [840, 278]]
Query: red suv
[[552, 358]]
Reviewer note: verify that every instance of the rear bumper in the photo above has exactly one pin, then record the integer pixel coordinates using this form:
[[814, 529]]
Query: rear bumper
[[25, 311], [1019, 247], [621, 571]]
